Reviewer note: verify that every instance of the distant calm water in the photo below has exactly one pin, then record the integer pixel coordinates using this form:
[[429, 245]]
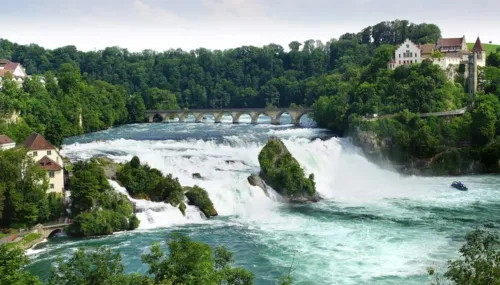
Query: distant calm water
[[375, 227]]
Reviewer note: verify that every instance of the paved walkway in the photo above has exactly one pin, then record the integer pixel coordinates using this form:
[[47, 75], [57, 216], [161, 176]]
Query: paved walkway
[[452, 113]]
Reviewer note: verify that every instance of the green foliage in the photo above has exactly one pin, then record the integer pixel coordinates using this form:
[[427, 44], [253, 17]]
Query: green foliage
[[190, 262], [479, 261], [56, 206], [96, 208], [361, 91], [56, 109], [101, 267], [12, 267], [23, 187], [187, 262], [241, 77], [198, 197], [182, 208], [98, 222], [133, 223], [283, 172], [144, 182]]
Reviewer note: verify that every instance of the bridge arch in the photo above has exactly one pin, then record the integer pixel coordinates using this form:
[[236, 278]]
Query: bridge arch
[[281, 119], [183, 116], [157, 118], [54, 232], [200, 117], [301, 115], [263, 117], [219, 116]]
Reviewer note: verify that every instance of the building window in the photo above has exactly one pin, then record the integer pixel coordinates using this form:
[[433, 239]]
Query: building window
[[35, 153], [399, 55], [407, 46], [51, 174], [49, 152], [51, 186]]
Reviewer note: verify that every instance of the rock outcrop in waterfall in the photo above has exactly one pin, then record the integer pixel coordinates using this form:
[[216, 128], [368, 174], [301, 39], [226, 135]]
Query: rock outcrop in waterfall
[[280, 170]]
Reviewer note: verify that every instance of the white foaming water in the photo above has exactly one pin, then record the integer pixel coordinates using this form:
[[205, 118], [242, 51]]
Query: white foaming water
[[155, 214], [341, 173], [357, 235]]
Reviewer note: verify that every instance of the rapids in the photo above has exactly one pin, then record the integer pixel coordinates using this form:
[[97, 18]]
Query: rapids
[[375, 226]]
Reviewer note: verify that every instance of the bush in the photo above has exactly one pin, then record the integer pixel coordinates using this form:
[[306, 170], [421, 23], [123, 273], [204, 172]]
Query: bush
[[283, 172], [97, 209], [96, 223], [198, 197], [133, 223], [144, 182]]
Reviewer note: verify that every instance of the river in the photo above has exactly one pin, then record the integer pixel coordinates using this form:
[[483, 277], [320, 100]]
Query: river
[[374, 227]]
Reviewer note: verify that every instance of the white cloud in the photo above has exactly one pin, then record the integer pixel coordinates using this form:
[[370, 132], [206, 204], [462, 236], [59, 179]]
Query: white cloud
[[146, 12]]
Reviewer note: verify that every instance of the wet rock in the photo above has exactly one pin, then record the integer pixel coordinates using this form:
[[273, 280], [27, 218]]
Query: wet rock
[[197, 176], [281, 171], [255, 180]]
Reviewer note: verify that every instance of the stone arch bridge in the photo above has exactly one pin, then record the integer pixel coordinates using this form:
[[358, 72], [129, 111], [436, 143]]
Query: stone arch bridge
[[50, 230], [275, 114]]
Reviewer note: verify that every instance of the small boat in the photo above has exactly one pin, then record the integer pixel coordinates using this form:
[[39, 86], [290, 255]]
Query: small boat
[[459, 186]]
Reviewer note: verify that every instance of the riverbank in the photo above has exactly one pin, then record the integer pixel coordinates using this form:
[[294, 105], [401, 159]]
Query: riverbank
[[428, 147]]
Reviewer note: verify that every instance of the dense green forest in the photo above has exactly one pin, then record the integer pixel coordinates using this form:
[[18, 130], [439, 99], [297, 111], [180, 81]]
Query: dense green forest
[[125, 83], [343, 80]]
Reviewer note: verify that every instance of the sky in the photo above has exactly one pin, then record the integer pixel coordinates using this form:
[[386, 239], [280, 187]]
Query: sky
[[220, 24]]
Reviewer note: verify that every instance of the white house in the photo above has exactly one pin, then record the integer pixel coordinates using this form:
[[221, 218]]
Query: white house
[[454, 52], [6, 142], [49, 159], [408, 53], [15, 69]]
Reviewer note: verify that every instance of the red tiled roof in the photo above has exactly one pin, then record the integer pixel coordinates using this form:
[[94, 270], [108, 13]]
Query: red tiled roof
[[11, 66], [48, 164], [8, 67], [427, 49], [37, 142], [450, 42], [478, 46], [4, 61], [5, 140], [392, 61]]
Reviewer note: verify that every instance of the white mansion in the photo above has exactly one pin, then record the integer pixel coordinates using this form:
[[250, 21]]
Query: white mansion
[[449, 52]]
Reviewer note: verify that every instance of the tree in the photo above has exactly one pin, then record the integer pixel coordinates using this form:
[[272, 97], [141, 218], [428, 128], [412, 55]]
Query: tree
[[96, 208], [12, 267], [136, 108], [23, 187], [101, 267], [483, 124], [479, 262], [191, 262]]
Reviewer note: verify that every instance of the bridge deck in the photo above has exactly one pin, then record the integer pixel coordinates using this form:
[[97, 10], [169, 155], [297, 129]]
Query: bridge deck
[[229, 110]]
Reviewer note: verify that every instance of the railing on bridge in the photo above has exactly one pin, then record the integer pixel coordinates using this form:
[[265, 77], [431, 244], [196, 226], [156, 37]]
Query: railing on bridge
[[452, 113], [274, 113]]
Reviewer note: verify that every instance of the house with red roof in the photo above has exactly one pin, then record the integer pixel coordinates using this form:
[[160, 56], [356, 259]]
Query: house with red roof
[[454, 52], [6, 142], [15, 69], [48, 158]]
